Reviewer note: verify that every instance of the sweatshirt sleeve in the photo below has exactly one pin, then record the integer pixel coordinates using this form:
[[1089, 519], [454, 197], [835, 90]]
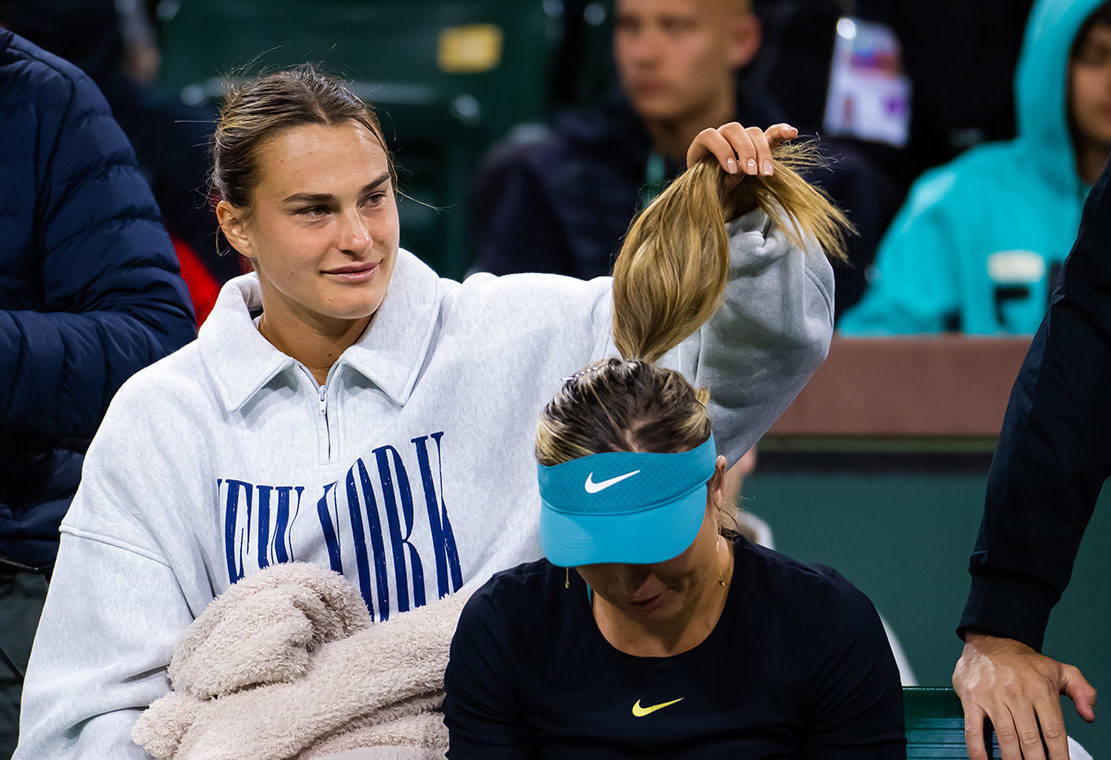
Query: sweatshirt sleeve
[[1053, 454], [770, 334], [913, 286], [116, 604]]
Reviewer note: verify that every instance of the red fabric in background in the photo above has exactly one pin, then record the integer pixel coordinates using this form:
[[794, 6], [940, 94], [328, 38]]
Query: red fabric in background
[[203, 287]]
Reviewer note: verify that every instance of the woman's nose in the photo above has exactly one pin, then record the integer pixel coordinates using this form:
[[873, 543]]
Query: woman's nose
[[633, 577], [355, 236]]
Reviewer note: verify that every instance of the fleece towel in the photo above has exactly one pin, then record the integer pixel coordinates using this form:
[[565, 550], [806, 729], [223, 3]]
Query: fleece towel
[[287, 665]]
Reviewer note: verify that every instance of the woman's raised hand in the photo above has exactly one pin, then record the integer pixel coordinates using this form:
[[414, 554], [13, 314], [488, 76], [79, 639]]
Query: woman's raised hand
[[741, 151]]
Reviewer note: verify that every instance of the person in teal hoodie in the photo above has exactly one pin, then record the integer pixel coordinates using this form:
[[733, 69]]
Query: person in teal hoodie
[[978, 243]]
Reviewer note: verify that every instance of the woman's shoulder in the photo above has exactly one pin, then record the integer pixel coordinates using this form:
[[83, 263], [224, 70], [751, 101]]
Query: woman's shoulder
[[529, 588], [532, 291], [170, 392], [814, 589], [530, 580], [818, 611], [177, 372], [973, 178], [531, 310], [781, 567]]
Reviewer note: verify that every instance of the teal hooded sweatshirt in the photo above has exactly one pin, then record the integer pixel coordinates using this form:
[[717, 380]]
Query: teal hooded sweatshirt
[[978, 241]]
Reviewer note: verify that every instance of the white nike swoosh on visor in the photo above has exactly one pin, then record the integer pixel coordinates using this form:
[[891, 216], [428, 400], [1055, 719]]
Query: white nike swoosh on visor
[[592, 487]]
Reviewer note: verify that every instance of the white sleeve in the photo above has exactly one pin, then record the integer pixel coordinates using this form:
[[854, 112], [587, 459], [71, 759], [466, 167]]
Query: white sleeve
[[116, 605], [768, 337], [111, 619]]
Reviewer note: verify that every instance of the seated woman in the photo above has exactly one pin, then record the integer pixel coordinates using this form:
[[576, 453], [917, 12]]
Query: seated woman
[[674, 637]]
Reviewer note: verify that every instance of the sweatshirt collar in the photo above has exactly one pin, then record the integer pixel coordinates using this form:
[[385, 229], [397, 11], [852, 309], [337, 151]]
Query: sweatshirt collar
[[390, 353]]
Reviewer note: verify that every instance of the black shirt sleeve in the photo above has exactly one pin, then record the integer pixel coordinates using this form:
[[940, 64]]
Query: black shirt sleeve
[[481, 711], [854, 700], [1053, 453]]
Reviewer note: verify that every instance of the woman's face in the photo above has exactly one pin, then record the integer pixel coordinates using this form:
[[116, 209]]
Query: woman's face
[[1090, 87], [665, 590], [322, 230]]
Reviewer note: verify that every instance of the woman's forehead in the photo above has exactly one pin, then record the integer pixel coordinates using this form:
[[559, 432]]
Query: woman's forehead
[[320, 158]]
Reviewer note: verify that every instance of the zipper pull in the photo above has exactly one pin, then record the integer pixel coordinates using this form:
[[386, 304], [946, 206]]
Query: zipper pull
[[324, 400]]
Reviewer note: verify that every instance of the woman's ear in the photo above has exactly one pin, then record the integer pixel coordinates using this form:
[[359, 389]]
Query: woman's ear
[[233, 223], [717, 482]]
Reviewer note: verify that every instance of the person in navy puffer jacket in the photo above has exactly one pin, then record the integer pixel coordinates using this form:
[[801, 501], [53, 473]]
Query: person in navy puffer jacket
[[89, 293], [89, 286]]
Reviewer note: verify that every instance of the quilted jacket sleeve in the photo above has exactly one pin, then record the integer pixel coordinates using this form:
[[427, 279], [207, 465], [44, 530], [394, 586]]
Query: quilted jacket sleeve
[[100, 295]]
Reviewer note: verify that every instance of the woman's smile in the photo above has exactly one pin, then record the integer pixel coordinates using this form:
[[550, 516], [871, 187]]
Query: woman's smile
[[353, 273]]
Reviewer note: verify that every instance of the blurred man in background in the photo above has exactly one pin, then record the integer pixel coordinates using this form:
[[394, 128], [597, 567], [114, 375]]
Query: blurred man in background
[[117, 50], [561, 202]]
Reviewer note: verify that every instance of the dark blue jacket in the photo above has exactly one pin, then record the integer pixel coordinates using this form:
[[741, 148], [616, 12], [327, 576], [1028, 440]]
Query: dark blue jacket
[[1054, 450], [89, 286]]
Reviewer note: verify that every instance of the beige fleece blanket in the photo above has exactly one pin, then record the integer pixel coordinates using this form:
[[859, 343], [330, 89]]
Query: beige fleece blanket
[[287, 665]]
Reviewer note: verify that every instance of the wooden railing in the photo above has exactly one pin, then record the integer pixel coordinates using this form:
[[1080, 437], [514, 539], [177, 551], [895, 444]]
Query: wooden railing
[[945, 386]]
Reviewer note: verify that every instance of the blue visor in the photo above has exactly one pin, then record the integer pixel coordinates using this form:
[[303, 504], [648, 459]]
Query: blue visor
[[626, 507]]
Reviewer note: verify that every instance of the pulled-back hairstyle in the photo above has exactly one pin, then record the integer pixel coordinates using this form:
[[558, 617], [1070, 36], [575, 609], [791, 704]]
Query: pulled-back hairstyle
[[669, 278], [257, 109]]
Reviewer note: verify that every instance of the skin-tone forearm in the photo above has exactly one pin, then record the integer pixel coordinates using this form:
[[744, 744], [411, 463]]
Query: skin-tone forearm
[[1019, 690]]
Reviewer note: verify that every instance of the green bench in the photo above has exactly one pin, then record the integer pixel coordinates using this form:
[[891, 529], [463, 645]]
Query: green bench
[[935, 724]]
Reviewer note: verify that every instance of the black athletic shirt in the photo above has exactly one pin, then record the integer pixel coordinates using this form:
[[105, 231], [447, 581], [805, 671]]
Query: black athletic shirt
[[797, 667]]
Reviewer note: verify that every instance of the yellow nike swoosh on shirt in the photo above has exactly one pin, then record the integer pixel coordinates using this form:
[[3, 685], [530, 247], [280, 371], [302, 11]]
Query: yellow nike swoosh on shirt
[[640, 712]]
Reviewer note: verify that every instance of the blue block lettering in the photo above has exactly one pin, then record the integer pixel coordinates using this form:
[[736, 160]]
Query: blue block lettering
[[399, 543], [443, 540]]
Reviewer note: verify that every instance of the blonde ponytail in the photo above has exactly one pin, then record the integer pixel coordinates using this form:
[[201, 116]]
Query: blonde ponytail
[[670, 275]]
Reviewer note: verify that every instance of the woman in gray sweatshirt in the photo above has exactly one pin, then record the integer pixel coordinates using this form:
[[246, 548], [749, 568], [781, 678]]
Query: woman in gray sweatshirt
[[344, 405]]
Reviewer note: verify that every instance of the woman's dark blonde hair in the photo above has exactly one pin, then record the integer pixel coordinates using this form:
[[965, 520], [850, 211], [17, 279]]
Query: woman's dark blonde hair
[[668, 279], [258, 109]]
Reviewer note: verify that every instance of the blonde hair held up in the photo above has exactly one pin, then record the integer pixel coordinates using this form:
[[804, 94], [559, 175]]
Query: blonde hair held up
[[669, 278], [670, 275]]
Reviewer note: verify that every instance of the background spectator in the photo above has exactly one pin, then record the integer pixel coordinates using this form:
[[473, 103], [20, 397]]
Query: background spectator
[[561, 200], [90, 294], [170, 138], [977, 244]]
